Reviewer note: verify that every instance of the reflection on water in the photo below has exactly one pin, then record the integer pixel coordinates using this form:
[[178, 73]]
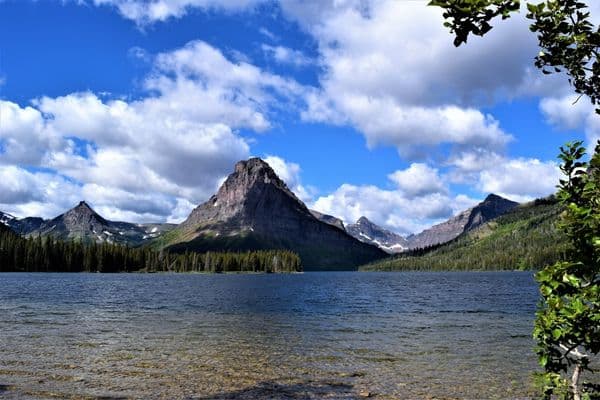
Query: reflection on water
[[302, 336]]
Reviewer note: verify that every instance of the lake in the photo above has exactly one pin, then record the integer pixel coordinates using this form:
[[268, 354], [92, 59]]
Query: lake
[[303, 336]]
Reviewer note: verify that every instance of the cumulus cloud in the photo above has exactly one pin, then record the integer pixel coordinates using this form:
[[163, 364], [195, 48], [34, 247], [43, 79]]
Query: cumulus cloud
[[570, 112], [419, 197], [384, 122], [24, 135], [422, 196], [289, 172], [286, 55], [46, 194], [418, 180], [158, 156], [391, 70], [388, 208], [149, 11], [521, 179]]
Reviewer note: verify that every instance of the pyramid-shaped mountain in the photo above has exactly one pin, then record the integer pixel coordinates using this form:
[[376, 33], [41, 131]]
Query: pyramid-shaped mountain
[[255, 210], [84, 224]]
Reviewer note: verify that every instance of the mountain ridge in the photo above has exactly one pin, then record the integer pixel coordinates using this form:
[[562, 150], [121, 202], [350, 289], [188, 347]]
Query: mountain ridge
[[526, 237], [83, 223], [490, 208], [369, 232]]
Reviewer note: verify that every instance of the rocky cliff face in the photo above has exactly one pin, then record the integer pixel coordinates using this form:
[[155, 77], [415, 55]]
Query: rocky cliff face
[[492, 207], [368, 232], [254, 209], [83, 223]]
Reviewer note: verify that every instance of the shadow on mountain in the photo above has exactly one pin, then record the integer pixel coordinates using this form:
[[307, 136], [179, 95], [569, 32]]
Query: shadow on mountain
[[4, 388], [302, 390]]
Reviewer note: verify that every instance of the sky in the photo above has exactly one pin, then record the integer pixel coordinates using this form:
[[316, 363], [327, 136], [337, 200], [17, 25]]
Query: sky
[[363, 107]]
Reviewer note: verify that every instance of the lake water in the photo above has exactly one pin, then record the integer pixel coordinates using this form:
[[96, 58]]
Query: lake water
[[301, 336]]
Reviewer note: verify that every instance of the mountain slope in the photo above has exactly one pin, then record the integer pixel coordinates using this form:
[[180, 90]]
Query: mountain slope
[[492, 207], [524, 238], [85, 224], [368, 232], [329, 219], [254, 210], [21, 226]]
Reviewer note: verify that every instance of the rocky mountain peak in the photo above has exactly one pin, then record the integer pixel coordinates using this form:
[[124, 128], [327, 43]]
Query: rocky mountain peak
[[83, 223], [252, 171], [363, 221], [493, 197], [81, 218], [252, 186], [371, 233], [491, 207], [252, 174], [82, 212], [83, 207]]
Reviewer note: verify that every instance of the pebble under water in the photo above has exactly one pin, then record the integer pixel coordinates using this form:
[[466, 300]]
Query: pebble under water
[[343, 335]]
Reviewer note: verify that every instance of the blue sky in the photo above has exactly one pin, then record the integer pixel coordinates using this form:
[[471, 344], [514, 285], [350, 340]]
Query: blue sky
[[363, 107]]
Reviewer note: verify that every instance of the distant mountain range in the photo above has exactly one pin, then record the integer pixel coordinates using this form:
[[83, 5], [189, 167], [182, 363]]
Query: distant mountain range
[[83, 223], [492, 207], [255, 210], [526, 237]]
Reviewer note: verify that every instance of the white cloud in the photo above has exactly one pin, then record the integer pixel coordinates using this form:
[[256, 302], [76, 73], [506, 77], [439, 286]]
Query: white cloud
[[422, 196], [419, 198], [418, 180], [570, 112], [391, 70], [154, 157], [24, 136], [24, 193], [521, 179], [388, 208], [286, 55], [148, 11], [384, 122], [268, 34], [289, 172]]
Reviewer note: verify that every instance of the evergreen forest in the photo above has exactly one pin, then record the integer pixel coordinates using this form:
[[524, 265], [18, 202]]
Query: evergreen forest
[[45, 254]]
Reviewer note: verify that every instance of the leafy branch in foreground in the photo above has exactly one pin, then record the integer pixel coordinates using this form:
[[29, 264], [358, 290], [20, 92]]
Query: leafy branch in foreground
[[569, 42], [567, 326]]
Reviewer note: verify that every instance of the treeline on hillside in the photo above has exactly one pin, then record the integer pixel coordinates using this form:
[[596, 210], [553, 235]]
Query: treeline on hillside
[[525, 238], [49, 255]]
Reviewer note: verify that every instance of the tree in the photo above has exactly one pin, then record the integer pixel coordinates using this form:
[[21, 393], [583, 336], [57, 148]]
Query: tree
[[567, 327]]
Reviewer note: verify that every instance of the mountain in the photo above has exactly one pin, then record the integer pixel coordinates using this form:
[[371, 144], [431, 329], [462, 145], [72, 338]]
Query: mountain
[[492, 207], [329, 219], [83, 223], [6, 219], [526, 237], [255, 210], [22, 226], [367, 232]]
